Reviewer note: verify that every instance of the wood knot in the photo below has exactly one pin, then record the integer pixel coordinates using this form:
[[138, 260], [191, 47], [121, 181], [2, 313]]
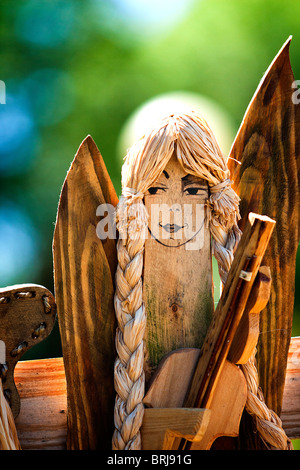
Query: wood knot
[[175, 309]]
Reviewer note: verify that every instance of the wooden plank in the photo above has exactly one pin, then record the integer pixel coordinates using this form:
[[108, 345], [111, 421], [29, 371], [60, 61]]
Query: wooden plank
[[84, 269], [245, 339], [42, 422], [162, 425], [267, 181], [27, 313], [179, 297], [164, 389], [290, 413]]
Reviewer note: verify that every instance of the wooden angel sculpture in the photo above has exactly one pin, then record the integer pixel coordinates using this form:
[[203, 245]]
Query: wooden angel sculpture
[[178, 168], [182, 159]]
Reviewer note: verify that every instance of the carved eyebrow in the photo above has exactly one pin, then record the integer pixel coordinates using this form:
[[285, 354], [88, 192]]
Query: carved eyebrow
[[191, 179]]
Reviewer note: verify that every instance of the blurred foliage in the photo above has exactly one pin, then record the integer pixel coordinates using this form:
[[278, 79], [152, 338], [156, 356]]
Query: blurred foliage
[[75, 68]]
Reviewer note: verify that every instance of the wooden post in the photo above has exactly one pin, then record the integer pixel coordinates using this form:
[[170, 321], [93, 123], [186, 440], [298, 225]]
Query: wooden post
[[84, 268], [177, 264]]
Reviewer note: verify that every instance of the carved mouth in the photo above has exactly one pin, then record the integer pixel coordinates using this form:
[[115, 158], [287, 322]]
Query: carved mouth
[[171, 228]]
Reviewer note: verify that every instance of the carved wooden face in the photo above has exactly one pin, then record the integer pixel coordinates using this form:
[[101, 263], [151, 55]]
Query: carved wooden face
[[176, 203], [177, 275]]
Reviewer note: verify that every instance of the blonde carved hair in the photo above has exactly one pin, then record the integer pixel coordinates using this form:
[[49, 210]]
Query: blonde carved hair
[[189, 137]]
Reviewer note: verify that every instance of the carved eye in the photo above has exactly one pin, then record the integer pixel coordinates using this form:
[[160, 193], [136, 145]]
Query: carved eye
[[155, 190], [194, 191]]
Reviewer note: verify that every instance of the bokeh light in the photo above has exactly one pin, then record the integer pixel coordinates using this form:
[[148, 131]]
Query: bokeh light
[[153, 14], [19, 246], [144, 19], [50, 93], [18, 136], [45, 24]]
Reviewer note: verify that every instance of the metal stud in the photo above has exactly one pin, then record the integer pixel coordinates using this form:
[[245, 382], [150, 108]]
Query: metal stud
[[19, 349], [39, 330]]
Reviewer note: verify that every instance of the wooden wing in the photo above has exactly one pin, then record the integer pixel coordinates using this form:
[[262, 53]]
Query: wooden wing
[[264, 163], [84, 269]]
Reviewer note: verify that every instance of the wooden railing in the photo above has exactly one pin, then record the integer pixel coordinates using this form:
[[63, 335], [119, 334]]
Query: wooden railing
[[42, 422]]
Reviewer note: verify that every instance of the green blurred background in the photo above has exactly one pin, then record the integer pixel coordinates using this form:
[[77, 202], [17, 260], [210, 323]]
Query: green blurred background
[[73, 68]]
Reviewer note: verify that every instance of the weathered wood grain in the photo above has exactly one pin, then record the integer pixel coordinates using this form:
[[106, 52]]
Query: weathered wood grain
[[27, 316], [42, 422], [84, 268], [178, 292], [246, 337], [267, 181], [164, 388], [290, 412], [162, 425]]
